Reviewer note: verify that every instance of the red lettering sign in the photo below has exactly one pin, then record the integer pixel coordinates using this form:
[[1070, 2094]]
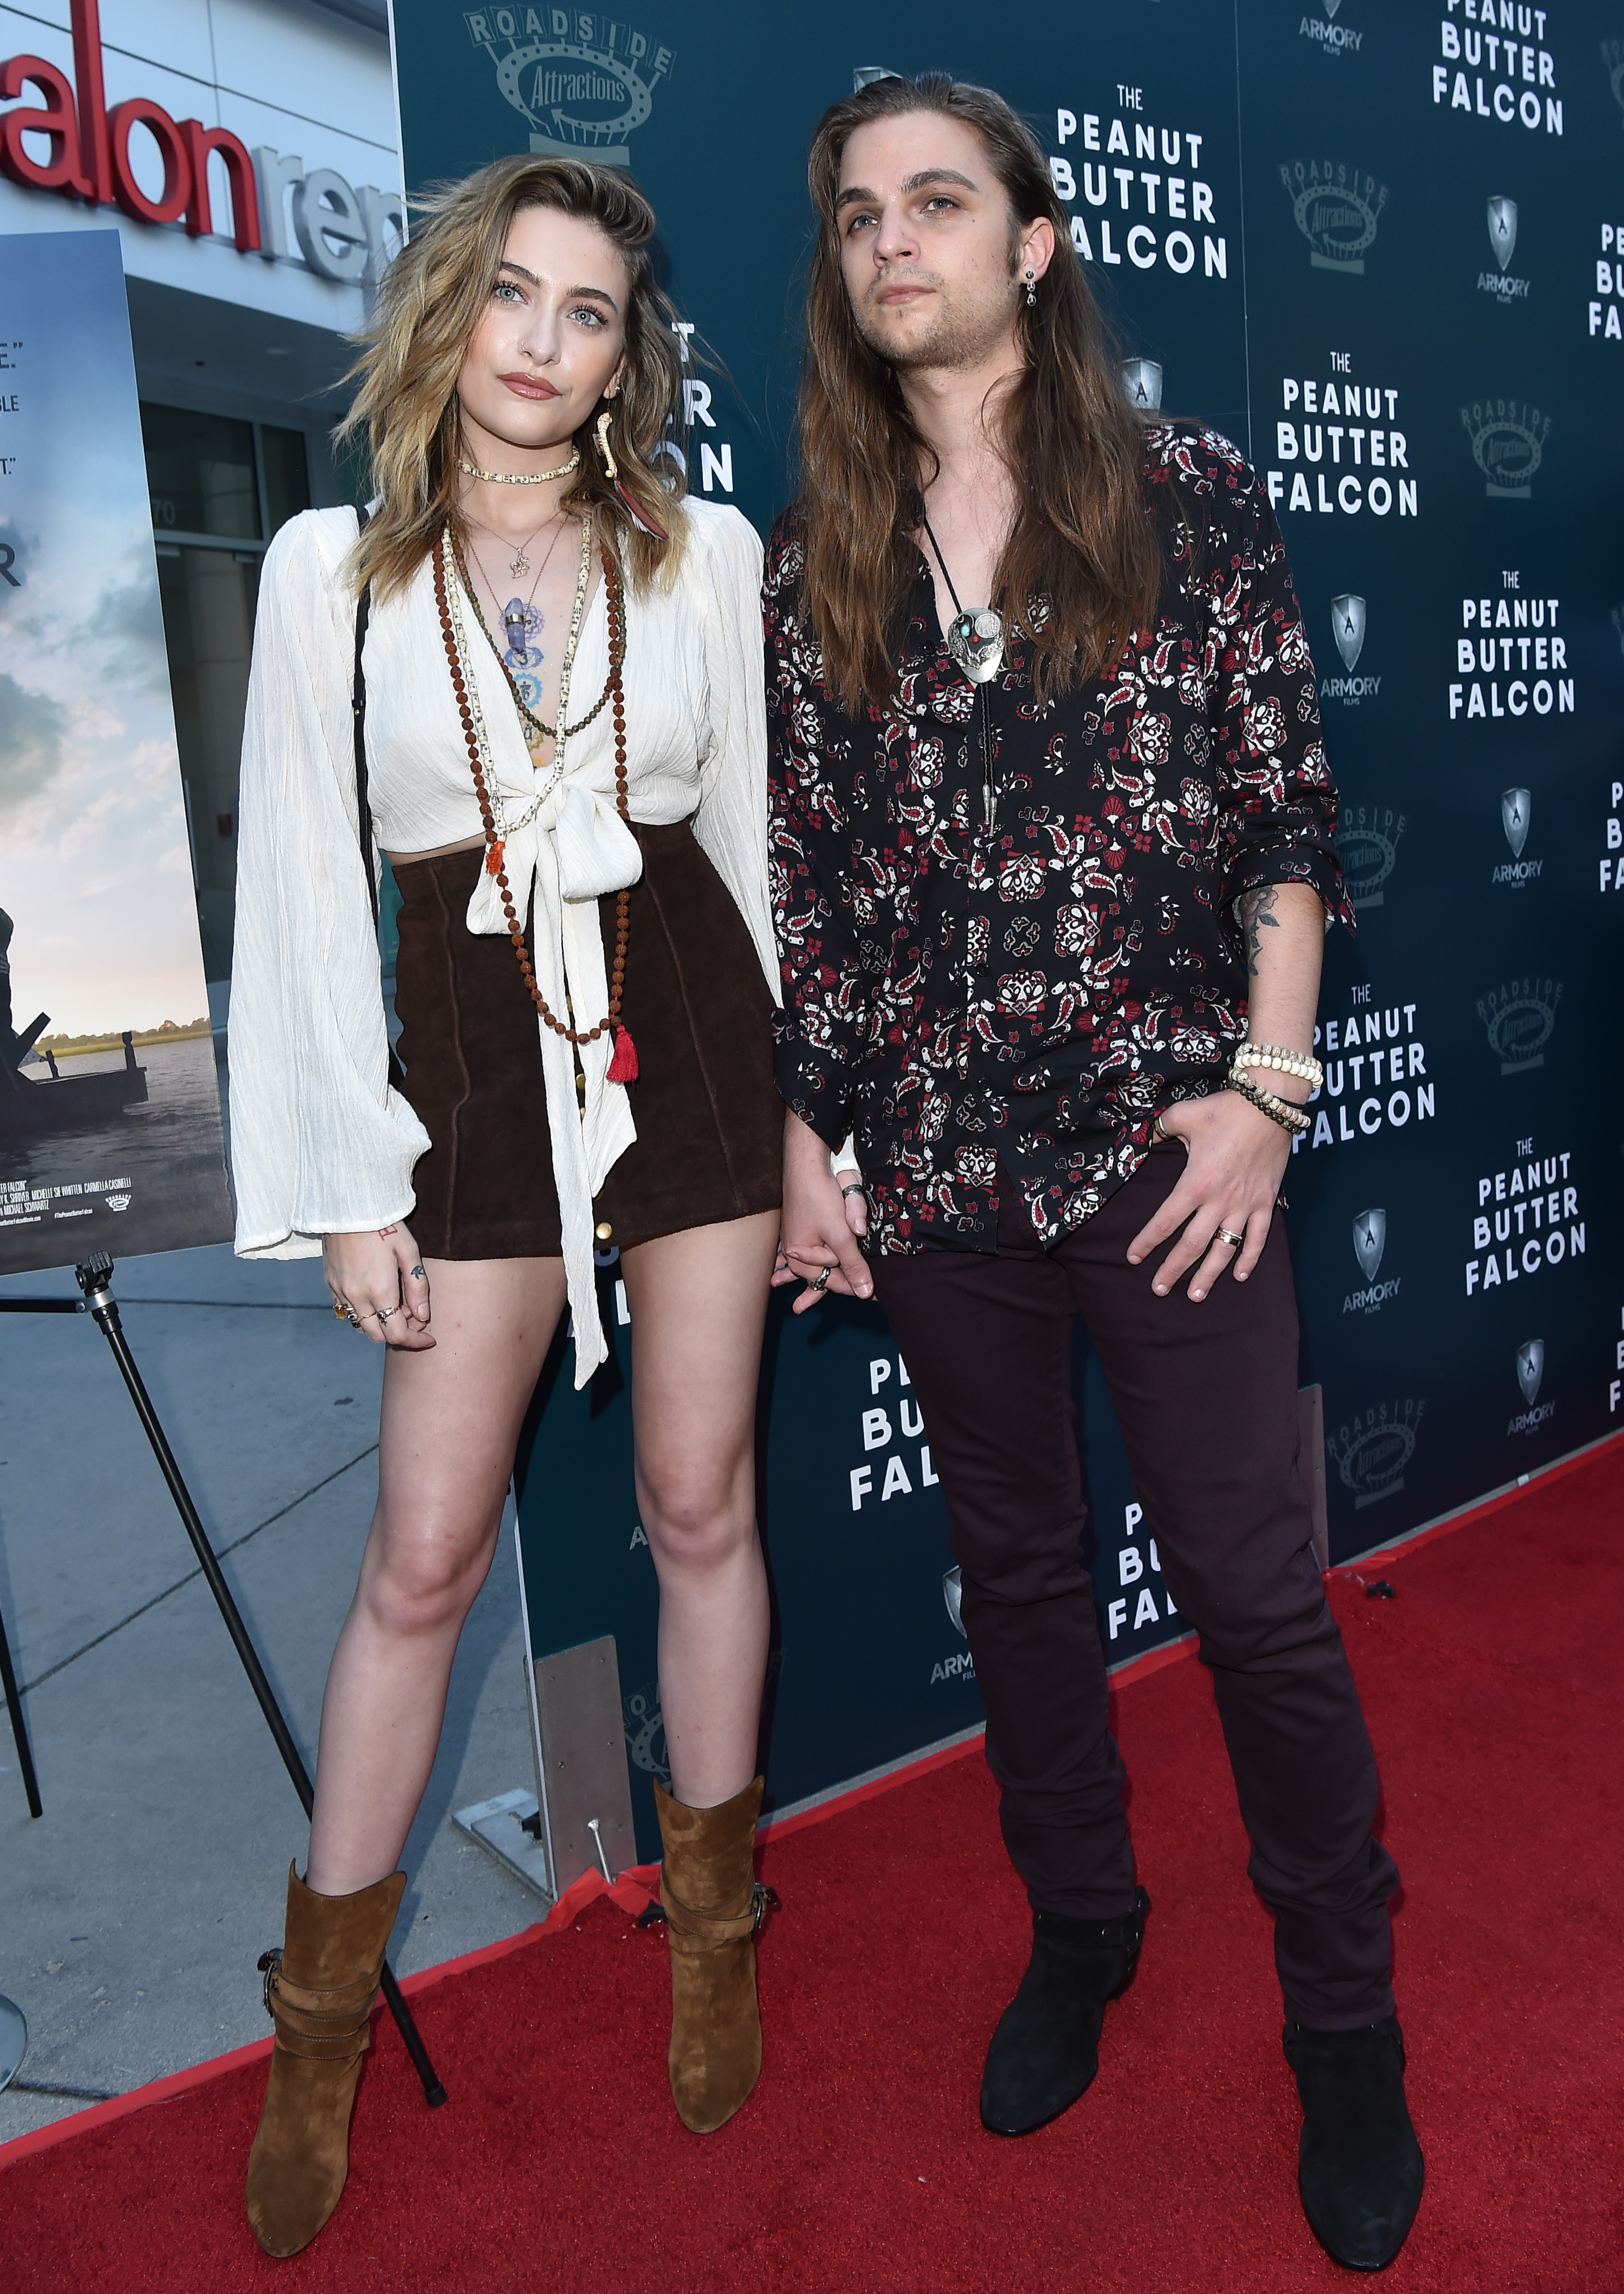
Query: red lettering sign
[[88, 148]]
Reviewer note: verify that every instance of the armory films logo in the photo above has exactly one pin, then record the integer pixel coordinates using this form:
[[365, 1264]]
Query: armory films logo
[[1369, 1246], [1347, 625], [1372, 1449], [1518, 1019], [1142, 381], [1529, 1364], [1516, 815], [1337, 208], [1502, 284], [1508, 439], [584, 83], [1526, 1218], [1367, 846], [1331, 36], [962, 1666]]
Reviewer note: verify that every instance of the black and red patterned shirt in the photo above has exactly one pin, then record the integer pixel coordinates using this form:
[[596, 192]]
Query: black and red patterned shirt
[[1028, 999]]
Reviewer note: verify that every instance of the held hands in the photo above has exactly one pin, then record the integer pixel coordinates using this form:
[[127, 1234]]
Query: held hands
[[378, 1285], [1237, 1160], [820, 1225]]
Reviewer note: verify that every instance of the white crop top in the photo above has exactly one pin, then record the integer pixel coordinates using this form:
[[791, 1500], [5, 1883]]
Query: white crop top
[[320, 1145]]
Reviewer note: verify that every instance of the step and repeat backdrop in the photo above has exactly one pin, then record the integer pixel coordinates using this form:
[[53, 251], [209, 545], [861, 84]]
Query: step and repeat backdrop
[[1382, 246]]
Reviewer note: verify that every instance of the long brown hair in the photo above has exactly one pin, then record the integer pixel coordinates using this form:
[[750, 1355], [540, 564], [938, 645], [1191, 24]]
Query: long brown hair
[[429, 304], [1082, 542]]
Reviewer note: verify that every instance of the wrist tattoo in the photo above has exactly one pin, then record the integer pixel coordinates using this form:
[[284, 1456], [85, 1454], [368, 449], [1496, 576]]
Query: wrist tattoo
[[1256, 913]]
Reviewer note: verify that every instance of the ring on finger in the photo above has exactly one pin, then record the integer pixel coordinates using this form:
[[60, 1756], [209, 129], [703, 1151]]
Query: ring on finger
[[821, 1284], [1227, 1234], [384, 1312], [857, 1188]]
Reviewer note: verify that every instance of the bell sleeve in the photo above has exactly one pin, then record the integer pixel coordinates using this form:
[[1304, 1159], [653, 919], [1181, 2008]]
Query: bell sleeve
[[320, 1145], [732, 820]]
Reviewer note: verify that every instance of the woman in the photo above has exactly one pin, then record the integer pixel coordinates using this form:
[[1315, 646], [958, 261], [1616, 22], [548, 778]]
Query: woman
[[564, 743]]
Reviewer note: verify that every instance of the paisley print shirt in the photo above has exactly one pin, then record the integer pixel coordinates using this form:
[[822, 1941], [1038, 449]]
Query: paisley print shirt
[[1020, 1002]]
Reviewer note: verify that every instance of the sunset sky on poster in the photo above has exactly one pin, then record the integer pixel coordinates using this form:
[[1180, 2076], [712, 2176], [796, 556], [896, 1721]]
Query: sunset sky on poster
[[94, 865]]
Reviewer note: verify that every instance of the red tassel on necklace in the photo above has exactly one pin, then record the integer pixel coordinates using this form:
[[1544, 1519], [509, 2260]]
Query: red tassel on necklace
[[623, 1067]]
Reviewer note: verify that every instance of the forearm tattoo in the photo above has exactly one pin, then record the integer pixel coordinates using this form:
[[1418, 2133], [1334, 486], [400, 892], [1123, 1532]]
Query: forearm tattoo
[[1256, 913]]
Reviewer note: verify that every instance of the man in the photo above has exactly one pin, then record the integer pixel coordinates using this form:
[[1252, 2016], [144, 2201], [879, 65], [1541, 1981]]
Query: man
[[1052, 848]]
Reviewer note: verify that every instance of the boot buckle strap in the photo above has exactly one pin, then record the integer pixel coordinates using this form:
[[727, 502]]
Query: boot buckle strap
[[313, 2046]]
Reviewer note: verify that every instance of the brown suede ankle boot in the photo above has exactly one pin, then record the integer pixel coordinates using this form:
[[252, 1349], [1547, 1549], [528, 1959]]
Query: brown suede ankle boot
[[713, 1908], [319, 1993]]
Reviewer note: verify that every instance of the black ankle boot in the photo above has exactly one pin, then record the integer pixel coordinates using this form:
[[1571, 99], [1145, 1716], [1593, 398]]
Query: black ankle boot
[[1359, 2169], [1046, 2049]]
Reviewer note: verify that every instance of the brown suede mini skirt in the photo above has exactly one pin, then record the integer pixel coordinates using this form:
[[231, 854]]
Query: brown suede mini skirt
[[710, 1124]]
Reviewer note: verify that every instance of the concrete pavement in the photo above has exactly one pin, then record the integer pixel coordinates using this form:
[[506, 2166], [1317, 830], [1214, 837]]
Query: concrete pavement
[[132, 1914]]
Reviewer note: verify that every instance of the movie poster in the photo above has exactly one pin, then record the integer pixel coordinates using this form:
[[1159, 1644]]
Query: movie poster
[[110, 1136]]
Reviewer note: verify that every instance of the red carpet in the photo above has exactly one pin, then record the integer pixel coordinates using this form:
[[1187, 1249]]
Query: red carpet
[[1492, 1686]]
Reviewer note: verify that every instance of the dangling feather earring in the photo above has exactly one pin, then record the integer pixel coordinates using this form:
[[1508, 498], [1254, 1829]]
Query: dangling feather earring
[[611, 471]]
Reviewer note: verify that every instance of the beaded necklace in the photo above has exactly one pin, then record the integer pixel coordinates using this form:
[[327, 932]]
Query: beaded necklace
[[487, 788]]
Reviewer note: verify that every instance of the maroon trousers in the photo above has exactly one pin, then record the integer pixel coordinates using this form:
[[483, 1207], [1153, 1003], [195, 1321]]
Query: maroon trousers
[[1206, 1399]]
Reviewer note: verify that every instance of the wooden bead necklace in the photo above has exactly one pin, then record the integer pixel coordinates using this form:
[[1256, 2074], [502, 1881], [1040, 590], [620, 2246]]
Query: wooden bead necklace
[[623, 1066]]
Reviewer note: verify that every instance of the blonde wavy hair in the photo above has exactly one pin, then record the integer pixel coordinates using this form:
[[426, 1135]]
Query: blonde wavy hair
[[432, 298]]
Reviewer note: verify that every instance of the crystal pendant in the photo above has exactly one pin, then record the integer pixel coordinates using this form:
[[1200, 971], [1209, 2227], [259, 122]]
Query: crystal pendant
[[976, 639]]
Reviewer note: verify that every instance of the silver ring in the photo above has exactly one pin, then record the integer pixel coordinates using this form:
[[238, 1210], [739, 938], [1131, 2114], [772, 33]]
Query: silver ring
[[1223, 1234], [857, 1188], [352, 1318], [821, 1283], [384, 1312]]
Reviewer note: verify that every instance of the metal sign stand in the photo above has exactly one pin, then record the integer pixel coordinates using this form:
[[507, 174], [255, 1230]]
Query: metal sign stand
[[96, 1282]]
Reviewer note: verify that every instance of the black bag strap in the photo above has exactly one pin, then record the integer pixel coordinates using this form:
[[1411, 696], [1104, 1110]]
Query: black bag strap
[[357, 701], [363, 811]]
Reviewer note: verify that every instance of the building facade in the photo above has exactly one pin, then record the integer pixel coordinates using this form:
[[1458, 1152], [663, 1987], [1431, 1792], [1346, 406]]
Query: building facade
[[246, 152]]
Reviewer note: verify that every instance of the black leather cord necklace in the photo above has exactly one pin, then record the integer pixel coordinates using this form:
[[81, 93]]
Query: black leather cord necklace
[[976, 639]]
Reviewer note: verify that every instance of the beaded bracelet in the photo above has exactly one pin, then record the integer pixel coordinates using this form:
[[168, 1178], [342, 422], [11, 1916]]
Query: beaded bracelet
[[1274, 1055], [1281, 1110]]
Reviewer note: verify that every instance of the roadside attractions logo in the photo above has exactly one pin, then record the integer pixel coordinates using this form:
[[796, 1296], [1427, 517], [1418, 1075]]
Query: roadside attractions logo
[[1501, 283], [1337, 209], [1507, 438], [1612, 63], [1490, 77], [1369, 1247], [1349, 623], [1168, 191], [1526, 1217], [1372, 1449], [1367, 844], [1331, 37], [74, 145], [1514, 638], [1519, 1020], [583, 83]]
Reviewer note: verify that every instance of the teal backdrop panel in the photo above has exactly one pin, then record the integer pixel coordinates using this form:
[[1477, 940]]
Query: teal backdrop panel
[[1383, 248]]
